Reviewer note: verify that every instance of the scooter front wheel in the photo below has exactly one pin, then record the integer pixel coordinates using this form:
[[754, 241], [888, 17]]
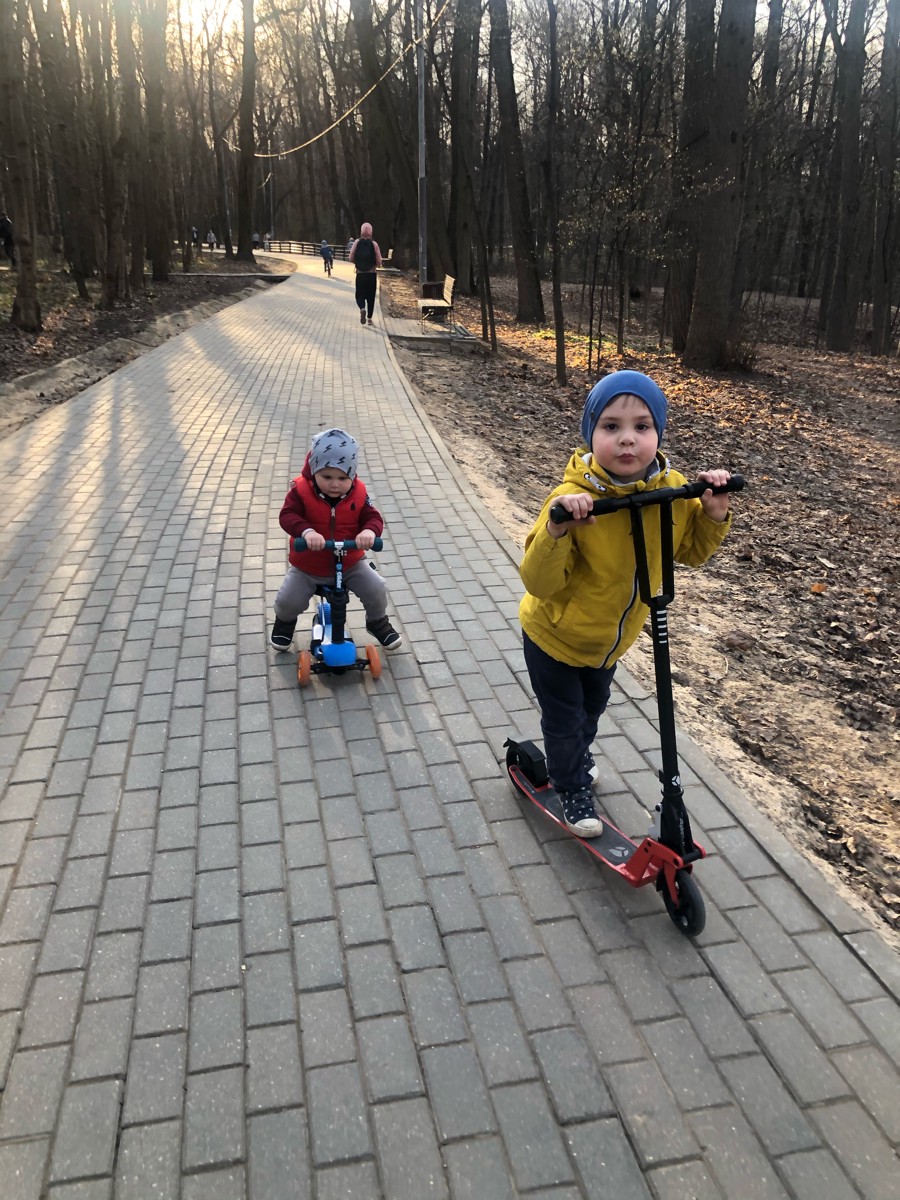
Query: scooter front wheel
[[304, 667], [374, 661], [689, 914]]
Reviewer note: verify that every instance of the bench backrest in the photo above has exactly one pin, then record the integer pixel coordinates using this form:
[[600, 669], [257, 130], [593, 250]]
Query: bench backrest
[[449, 284]]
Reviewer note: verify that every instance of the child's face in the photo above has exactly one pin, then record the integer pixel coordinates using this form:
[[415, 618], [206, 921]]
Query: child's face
[[333, 483], [624, 441]]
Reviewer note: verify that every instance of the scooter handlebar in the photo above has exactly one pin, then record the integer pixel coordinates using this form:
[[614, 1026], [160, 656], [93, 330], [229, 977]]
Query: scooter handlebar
[[559, 514], [349, 544]]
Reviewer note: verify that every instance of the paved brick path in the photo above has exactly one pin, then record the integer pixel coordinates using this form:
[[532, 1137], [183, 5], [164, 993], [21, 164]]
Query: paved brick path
[[270, 943]]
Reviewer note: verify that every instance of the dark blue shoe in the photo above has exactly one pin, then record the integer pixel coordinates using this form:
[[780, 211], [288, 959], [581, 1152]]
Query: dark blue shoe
[[579, 812]]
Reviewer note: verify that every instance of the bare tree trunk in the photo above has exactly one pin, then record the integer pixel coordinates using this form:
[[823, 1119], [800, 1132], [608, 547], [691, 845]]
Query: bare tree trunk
[[218, 136], [132, 136], [463, 97], [691, 162], [246, 139], [884, 263], [530, 300], [552, 185], [157, 173], [707, 340], [840, 327], [71, 163], [14, 131]]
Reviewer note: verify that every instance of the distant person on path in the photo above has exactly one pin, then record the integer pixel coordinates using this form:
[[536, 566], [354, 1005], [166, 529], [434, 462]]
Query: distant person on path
[[7, 240], [267, 238], [581, 612], [211, 241], [349, 245], [366, 257], [329, 500], [195, 237], [256, 241], [327, 256]]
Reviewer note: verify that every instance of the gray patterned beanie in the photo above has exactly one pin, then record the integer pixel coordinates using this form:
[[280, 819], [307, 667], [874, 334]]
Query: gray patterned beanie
[[334, 448]]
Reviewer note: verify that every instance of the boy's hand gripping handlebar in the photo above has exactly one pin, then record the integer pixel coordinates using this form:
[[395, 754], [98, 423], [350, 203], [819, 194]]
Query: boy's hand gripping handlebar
[[349, 544], [559, 514]]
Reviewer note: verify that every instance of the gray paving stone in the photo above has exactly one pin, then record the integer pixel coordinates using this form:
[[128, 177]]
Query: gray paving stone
[[114, 966], [533, 1140], [33, 1092], [318, 962], [536, 990], [417, 942], [269, 996], [713, 1016], [478, 1170], [154, 1089], [101, 1044], [743, 978], [214, 1119], [874, 1080], [311, 895], [273, 1068], [22, 1166], [572, 955], [359, 1180], [26, 915], [691, 1076], [573, 1077], [476, 967], [843, 970], [816, 1001], [361, 917], [374, 981], [86, 1138], [768, 1106], [649, 1113], [265, 925], [216, 1031], [882, 1019], [606, 1162], [814, 1174], [502, 1047], [66, 941], [278, 1159], [216, 958], [684, 1179], [124, 904], [326, 1029], [408, 1151], [399, 880], [734, 1155], [52, 1010], [148, 1160], [388, 1056], [339, 1128], [605, 1024], [162, 998]]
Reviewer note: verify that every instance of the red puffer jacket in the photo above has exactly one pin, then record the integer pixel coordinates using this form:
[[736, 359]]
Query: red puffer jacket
[[305, 508]]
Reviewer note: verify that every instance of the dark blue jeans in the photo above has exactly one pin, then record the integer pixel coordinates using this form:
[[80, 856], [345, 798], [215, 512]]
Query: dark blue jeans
[[572, 700]]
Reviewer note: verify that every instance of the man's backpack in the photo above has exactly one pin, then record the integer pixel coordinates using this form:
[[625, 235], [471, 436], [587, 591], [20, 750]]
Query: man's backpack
[[364, 255]]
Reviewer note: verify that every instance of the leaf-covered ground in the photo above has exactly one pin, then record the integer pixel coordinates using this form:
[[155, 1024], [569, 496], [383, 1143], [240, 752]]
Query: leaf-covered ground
[[784, 645]]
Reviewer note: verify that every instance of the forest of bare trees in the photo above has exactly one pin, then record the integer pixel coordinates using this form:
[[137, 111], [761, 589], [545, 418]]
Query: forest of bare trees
[[711, 149]]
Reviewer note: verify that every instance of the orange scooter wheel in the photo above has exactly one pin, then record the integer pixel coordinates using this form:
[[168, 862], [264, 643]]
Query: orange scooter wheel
[[374, 661], [304, 667]]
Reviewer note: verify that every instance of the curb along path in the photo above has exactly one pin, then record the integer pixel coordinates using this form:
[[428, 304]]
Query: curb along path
[[264, 943]]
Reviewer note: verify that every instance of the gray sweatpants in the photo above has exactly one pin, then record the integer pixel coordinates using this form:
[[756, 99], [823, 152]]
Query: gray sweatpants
[[362, 579]]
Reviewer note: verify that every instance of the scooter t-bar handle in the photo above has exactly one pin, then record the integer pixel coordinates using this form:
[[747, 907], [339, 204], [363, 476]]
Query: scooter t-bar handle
[[300, 544], [559, 514]]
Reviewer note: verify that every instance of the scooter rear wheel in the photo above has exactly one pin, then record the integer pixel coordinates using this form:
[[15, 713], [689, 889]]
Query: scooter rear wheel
[[374, 661], [304, 667], [689, 914]]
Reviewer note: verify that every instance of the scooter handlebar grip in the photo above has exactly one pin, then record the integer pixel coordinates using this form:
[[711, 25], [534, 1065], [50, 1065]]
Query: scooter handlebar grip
[[559, 515], [349, 544]]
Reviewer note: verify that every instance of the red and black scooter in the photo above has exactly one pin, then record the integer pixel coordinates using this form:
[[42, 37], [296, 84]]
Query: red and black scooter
[[667, 855]]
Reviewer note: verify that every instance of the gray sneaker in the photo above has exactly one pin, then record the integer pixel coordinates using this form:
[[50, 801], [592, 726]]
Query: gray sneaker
[[579, 813]]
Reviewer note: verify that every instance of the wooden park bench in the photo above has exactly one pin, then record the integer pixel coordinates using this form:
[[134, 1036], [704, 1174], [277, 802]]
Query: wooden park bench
[[436, 302]]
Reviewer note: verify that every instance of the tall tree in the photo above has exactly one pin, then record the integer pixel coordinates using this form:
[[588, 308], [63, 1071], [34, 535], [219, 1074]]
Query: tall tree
[[246, 138], [887, 223], [840, 327], [26, 310], [707, 341], [159, 223], [530, 301]]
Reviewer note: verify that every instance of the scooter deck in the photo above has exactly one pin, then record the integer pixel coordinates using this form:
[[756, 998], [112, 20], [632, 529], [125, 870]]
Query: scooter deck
[[614, 848]]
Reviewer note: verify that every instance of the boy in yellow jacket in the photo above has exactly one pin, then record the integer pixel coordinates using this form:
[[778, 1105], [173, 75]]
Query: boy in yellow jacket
[[582, 609]]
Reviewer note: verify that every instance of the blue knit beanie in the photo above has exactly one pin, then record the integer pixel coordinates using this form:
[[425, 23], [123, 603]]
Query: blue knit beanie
[[620, 383]]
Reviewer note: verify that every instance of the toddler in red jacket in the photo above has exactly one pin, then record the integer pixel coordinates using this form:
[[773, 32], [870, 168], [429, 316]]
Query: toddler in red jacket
[[328, 501]]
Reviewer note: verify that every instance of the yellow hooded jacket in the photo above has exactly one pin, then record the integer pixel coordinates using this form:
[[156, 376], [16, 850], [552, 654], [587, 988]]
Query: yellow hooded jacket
[[582, 605]]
